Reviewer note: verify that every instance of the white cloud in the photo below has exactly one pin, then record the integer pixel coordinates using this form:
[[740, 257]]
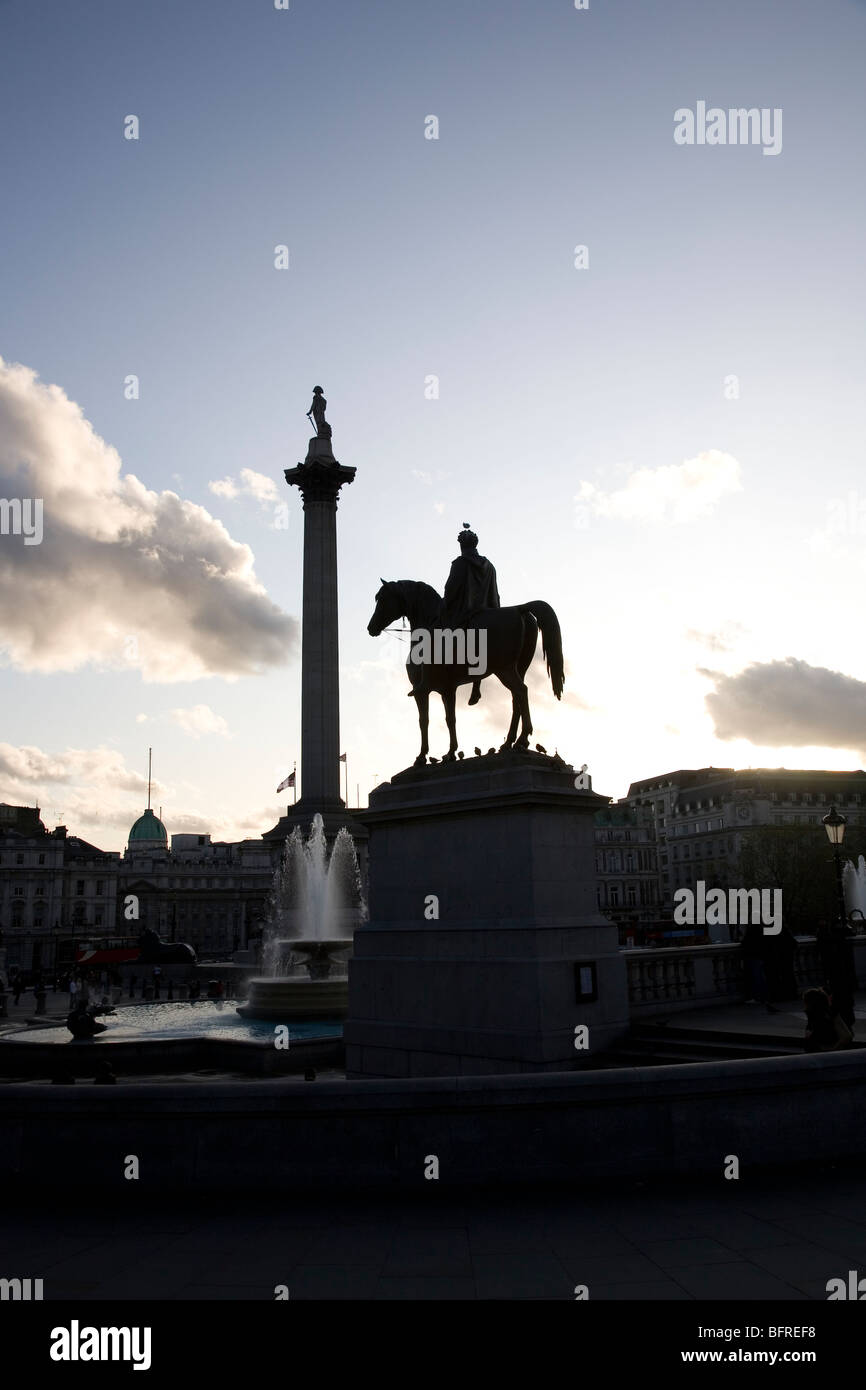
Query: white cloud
[[198, 720], [99, 768], [675, 492], [224, 487], [124, 577], [252, 484], [99, 798]]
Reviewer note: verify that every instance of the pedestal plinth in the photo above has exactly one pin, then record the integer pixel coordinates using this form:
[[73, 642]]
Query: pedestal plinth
[[503, 848]]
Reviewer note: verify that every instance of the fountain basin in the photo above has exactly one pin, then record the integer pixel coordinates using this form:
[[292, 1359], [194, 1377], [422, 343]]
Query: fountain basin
[[282, 999], [319, 990]]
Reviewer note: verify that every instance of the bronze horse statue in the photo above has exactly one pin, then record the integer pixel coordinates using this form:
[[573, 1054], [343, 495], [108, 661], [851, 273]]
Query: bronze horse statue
[[510, 635]]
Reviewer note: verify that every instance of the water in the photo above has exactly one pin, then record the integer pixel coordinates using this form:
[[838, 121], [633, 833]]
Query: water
[[854, 886], [157, 1022], [314, 897]]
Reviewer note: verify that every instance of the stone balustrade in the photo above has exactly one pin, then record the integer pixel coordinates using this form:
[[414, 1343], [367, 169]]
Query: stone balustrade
[[682, 977]]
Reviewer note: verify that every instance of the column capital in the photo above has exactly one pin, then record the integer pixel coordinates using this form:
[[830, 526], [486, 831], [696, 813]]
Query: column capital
[[319, 479]]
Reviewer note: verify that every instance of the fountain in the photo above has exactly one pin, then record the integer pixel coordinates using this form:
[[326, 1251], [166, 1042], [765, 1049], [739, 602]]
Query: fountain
[[314, 907]]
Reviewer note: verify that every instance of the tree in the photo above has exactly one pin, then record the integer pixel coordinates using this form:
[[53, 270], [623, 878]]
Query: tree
[[799, 860]]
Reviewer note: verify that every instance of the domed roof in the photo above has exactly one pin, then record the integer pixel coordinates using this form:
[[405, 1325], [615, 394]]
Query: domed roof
[[149, 829]]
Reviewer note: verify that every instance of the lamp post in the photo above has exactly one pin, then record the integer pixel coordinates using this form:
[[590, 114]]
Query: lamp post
[[834, 824]]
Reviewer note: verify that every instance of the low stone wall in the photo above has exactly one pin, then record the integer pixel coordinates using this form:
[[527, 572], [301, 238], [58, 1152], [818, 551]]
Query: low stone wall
[[170, 1056], [566, 1126]]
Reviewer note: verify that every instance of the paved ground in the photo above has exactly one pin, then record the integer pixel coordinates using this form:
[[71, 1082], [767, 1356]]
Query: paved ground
[[784, 1019], [775, 1237]]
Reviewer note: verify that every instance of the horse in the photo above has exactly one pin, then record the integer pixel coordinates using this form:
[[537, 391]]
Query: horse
[[510, 634]]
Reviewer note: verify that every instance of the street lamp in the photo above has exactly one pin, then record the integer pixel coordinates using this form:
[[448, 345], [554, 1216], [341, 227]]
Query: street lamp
[[834, 824]]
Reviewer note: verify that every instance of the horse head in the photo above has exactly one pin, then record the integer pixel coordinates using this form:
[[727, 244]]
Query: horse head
[[390, 605]]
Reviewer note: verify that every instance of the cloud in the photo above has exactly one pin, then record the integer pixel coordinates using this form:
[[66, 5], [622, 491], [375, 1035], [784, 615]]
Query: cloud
[[675, 492], [101, 798], [198, 720], [789, 704], [100, 768], [125, 577], [721, 641], [224, 488], [252, 484]]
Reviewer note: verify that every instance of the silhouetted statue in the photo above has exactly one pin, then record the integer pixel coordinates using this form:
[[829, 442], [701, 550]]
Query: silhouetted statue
[[471, 586], [316, 413], [83, 1025], [157, 952], [510, 636]]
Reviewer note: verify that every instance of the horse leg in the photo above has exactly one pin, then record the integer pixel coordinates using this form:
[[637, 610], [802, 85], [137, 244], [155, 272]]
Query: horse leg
[[529, 644], [512, 682], [449, 700], [422, 699], [526, 722]]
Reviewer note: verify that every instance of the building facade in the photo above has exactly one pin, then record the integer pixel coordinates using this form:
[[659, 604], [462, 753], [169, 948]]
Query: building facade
[[627, 868], [54, 887], [701, 817], [59, 893]]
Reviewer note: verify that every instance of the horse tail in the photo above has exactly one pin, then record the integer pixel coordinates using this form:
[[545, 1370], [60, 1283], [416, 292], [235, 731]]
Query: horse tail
[[551, 641]]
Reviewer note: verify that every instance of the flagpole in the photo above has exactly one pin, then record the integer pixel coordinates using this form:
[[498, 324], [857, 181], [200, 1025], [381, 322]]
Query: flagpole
[[295, 782]]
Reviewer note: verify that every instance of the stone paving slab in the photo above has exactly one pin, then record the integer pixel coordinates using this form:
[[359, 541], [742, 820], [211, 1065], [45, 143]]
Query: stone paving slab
[[780, 1236]]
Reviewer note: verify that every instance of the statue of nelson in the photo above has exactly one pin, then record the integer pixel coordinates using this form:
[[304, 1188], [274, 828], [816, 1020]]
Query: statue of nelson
[[471, 585]]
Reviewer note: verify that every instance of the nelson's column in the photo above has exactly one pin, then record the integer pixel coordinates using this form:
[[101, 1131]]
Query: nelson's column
[[319, 479]]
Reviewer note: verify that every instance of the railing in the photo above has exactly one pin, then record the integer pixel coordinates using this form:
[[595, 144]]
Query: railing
[[680, 977]]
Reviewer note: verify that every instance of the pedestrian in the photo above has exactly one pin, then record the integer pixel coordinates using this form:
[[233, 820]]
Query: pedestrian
[[780, 951], [132, 984], [73, 992], [17, 987], [752, 951], [826, 1030]]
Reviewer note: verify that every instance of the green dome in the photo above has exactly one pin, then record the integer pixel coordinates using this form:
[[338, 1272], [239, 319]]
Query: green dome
[[149, 829]]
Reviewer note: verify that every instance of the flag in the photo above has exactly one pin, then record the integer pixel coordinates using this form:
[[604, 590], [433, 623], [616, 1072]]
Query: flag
[[342, 757], [289, 782]]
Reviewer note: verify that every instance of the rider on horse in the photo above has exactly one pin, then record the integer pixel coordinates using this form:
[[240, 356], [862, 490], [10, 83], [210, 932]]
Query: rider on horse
[[471, 586]]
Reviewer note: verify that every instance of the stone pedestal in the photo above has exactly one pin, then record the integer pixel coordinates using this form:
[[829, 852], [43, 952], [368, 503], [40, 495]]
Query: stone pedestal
[[502, 848]]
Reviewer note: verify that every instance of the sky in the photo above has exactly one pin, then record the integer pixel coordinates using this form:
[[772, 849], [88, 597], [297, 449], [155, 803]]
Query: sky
[[661, 434]]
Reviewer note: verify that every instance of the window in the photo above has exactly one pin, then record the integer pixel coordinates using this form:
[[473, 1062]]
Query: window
[[614, 896], [631, 895], [19, 859], [18, 890], [42, 859], [99, 883], [79, 888]]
